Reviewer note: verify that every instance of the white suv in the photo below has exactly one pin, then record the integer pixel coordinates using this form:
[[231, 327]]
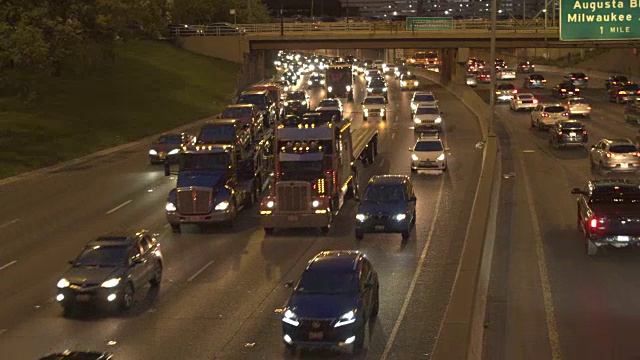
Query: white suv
[[428, 153], [545, 115], [422, 98], [374, 106]]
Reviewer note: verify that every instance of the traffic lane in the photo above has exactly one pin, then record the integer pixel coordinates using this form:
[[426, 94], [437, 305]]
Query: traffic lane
[[592, 298]]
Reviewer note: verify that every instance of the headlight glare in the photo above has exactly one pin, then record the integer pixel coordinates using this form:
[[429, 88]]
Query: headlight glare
[[223, 205], [111, 283], [414, 157], [441, 157], [346, 319], [417, 121], [290, 318], [438, 120], [401, 217], [315, 203], [153, 152], [174, 151], [361, 217], [330, 88], [63, 283], [169, 206], [271, 204]]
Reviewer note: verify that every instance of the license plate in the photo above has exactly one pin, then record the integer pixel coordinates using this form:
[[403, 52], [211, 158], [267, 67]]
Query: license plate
[[624, 165], [316, 335], [572, 134], [292, 218], [379, 227], [161, 155], [83, 297], [622, 238]]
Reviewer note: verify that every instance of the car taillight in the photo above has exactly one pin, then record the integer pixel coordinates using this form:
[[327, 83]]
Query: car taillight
[[593, 223], [559, 133], [573, 78], [622, 92], [610, 155], [535, 101], [636, 154], [545, 115], [584, 132], [515, 91], [544, 80], [588, 107], [565, 113]]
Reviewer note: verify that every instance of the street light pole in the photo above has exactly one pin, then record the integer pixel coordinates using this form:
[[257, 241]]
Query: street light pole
[[281, 18], [492, 63]]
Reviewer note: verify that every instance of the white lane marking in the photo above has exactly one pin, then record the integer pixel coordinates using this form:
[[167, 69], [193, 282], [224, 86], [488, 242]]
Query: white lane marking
[[200, 271], [2, 331], [528, 151], [119, 206], [393, 135], [7, 265], [412, 286], [9, 223]]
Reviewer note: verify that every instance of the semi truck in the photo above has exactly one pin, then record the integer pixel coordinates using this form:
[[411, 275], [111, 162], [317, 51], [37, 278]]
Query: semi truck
[[339, 81]]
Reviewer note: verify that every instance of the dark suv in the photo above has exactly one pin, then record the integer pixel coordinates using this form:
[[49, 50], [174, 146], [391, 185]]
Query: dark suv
[[565, 90], [388, 206], [334, 299], [568, 133], [110, 269], [297, 102]]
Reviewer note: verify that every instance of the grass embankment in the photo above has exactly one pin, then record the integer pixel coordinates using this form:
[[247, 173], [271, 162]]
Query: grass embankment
[[151, 87]]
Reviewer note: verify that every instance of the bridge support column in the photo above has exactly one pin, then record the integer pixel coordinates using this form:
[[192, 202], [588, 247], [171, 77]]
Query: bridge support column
[[448, 68]]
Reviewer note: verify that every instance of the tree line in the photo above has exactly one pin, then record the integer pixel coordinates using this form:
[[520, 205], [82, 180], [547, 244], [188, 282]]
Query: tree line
[[41, 38]]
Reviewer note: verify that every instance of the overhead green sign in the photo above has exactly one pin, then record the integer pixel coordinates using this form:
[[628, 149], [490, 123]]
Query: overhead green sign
[[599, 20], [430, 23]]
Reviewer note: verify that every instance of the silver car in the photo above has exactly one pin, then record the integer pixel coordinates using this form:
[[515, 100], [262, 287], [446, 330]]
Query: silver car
[[578, 106], [472, 80], [523, 101], [615, 155], [544, 116]]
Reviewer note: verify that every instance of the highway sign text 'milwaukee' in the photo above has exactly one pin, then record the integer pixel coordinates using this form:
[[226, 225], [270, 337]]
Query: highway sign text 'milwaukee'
[[599, 20]]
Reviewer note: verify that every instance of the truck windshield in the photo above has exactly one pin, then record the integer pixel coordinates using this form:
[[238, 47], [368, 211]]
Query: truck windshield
[[301, 170], [252, 99], [219, 133], [205, 161]]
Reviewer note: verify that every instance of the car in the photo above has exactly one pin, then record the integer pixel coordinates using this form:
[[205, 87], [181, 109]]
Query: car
[[632, 110], [225, 131], [264, 101], [608, 213], [388, 68], [615, 155], [78, 355], [422, 97], [330, 104], [428, 153], [565, 90], [247, 114], [167, 147], [568, 133], [505, 74], [378, 64], [377, 87], [622, 94], [534, 81], [110, 269], [500, 64], [333, 301], [525, 67], [427, 117], [374, 106], [409, 82], [371, 73], [315, 80], [296, 102], [523, 101], [472, 80], [484, 76], [578, 79], [545, 115], [505, 91], [401, 70], [388, 206], [578, 106], [615, 81]]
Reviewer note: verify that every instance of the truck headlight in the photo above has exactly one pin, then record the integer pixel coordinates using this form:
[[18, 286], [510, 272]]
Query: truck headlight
[[366, 112], [348, 87], [153, 152], [416, 83], [382, 112], [414, 157], [401, 217], [304, 103], [441, 157], [330, 88], [271, 204], [322, 82], [403, 83], [63, 283], [361, 217], [223, 205], [169, 206], [111, 283], [315, 203], [438, 120], [174, 151]]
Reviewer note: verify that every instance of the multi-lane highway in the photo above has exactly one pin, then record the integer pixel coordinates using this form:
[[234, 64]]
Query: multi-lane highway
[[548, 299], [222, 287]]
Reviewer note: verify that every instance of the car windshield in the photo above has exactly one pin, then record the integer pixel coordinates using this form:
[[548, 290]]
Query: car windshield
[[536, 77], [506, 87], [316, 77], [328, 281], [296, 96], [620, 78], [507, 70], [577, 101], [624, 148], [301, 170], [169, 139], [219, 133], [252, 99], [578, 75], [424, 98], [331, 103], [377, 83], [428, 146], [374, 100], [615, 194], [384, 193], [232, 113], [554, 109], [109, 256], [427, 110], [204, 161], [572, 127], [409, 77]]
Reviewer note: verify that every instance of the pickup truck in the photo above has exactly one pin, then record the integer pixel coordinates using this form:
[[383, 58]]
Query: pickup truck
[[609, 213]]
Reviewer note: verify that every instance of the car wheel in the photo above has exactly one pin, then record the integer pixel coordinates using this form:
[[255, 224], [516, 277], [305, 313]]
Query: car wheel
[[376, 303], [175, 228], [127, 297], [532, 123], [592, 249], [359, 234], [157, 277]]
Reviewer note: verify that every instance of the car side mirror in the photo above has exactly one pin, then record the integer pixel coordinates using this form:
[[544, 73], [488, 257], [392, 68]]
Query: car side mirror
[[289, 284], [576, 191], [167, 168], [413, 198]]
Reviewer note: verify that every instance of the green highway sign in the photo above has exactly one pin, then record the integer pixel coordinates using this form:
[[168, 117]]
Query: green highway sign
[[599, 20], [430, 23]]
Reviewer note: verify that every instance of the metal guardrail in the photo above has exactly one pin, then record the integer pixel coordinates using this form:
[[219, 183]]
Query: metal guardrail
[[368, 27]]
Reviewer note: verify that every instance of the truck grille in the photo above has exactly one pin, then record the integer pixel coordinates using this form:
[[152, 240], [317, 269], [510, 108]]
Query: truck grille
[[194, 200], [293, 196]]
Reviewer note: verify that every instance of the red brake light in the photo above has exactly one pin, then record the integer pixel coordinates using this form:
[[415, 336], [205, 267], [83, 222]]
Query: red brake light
[[515, 91], [593, 223], [573, 78], [584, 132], [636, 154], [545, 115], [559, 133], [586, 78], [609, 155]]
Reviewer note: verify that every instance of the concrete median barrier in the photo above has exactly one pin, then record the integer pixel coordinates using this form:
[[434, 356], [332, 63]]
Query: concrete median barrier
[[461, 333]]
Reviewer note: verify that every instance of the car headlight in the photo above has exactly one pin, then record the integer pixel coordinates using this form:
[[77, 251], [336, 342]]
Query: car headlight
[[401, 217], [348, 87], [330, 88], [384, 89], [366, 112], [315, 203], [438, 120], [381, 111], [416, 83], [414, 157], [417, 121], [169, 206], [110, 283], [271, 204], [403, 83], [63, 283], [369, 89], [153, 152], [290, 318], [361, 217], [223, 205], [441, 157], [322, 82], [174, 151], [286, 103], [309, 82], [304, 103], [346, 319]]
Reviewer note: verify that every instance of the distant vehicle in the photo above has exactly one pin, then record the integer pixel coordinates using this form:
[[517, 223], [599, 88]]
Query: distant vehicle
[[388, 68], [578, 79], [334, 103], [78, 355], [226, 131], [622, 94], [223, 29], [424, 58], [534, 81], [484, 76], [565, 90], [377, 87], [409, 82], [578, 106], [374, 106], [388, 206], [378, 64], [500, 64], [608, 213], [110, 269], [315, 80], [297, 102], [505, 91], [525, 67], [616, 81], [427, 118], [168, 146], [472, 80], [505, 74], [333, 301], [568, 133], [264, 100], [615, 155], [401, 70], [422, 98], [371, 73], [339, 81], [632, 110], [523, 101], [545, 115], [428, 153]]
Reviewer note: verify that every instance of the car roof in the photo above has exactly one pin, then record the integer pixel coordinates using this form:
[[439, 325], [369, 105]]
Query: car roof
[[125, 237], [336, 260], [570, 122], [422, 93], [595, 183], [552, 104], [389, 179]]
